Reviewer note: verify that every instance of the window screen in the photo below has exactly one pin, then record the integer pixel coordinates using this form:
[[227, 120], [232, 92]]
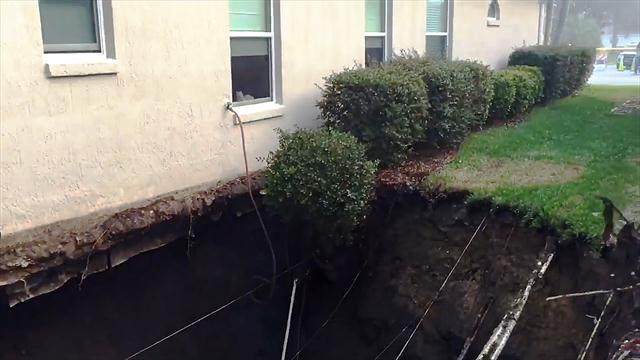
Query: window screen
[[437, 16], [69, 25]]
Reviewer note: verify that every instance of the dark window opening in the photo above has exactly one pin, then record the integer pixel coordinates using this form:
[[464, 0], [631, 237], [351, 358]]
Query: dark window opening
[[374, 51], [250, 70], [494, 10]]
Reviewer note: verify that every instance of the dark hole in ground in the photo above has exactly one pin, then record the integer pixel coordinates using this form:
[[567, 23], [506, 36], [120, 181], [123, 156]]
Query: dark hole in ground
[[410, 243]]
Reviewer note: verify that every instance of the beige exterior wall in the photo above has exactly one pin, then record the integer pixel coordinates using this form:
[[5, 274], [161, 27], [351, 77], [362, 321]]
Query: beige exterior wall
[[73, 145], [473, 39], [410, 25]]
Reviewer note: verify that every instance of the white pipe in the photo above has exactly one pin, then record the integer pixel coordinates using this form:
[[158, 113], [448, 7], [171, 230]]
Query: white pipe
[[502, 332], [286, 333]]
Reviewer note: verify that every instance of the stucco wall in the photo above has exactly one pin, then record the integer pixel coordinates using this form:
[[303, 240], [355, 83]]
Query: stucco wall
[[410, 25], [473, 39], [70, 146], [73, 145]]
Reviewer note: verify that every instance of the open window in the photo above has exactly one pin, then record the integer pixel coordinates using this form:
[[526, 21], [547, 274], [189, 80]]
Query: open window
[[252, 69], [493, 14]]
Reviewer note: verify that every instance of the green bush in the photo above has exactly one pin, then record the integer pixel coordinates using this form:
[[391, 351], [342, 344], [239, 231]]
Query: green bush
[[516, 90], [504, 94], [322, 178], [459, 94], [538, 78], [385, 109], [565, 69], [529, 84]]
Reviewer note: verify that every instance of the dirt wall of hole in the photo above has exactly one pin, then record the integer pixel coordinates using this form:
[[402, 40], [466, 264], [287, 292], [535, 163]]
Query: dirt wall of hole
[[410, 244]]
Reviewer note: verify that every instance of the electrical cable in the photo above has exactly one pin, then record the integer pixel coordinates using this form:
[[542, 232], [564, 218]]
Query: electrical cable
[[444, 283], [333, 312], [211, 313]]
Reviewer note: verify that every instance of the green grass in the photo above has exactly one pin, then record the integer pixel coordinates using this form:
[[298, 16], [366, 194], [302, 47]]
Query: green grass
[[555, 164]]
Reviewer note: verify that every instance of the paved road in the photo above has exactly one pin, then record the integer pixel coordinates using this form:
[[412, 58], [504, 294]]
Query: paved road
[[610, 76]]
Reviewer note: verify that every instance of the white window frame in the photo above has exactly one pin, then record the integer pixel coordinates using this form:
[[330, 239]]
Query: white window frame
[[384, 35], [83, 56], [272, 63], [446, 34]]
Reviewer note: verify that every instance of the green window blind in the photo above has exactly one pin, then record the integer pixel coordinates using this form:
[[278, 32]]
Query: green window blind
[[249, 15], [437, 15], [374, 15]]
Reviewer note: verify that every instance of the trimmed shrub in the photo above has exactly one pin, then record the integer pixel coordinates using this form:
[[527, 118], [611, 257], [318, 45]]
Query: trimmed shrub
[[565, 69], [459, 93], [322, 178], [516, 90], [504, 94], [385, 109], [536, 72], [529, 84]]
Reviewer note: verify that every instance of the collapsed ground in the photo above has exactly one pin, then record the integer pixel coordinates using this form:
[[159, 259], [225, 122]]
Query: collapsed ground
[[410, 243]]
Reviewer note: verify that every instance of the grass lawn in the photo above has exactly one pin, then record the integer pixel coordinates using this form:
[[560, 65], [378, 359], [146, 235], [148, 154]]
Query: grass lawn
[[554, 165]]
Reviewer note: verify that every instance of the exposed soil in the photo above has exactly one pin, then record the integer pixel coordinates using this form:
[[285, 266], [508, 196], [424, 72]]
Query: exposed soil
[[410, 243], [118, 312], [40, 260], [416, 247]]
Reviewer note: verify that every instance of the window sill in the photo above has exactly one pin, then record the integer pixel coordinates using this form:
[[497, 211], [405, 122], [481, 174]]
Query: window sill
[[85, 68], [493, 22], [256, 112]]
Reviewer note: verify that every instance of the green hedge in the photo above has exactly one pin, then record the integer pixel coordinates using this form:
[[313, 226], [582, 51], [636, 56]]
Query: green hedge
[[459, 92], [321, 178], [504, 94], [516, 90], [565, 69], [384, 108]]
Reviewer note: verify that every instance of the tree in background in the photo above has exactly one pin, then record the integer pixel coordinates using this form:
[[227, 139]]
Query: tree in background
[[621, 15], [581, 31], [563, 7]]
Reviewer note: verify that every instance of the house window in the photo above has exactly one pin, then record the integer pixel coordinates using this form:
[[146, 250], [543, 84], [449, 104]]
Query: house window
[[72, 26], [493, 14], [494, 10], [375, 37], [437, 28], [252, 70]]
